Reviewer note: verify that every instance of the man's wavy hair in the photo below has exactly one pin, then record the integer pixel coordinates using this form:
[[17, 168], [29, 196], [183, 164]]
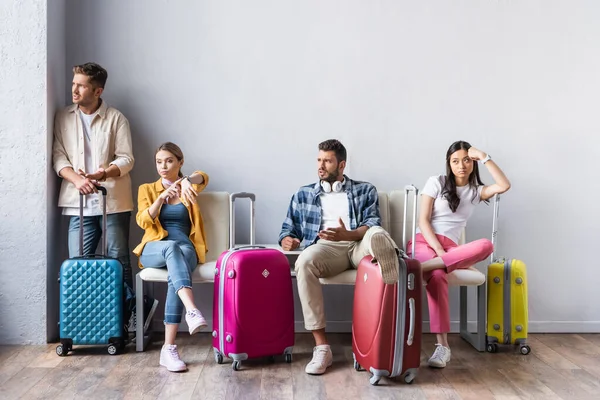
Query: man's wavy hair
[[335, 146], [97, 74]]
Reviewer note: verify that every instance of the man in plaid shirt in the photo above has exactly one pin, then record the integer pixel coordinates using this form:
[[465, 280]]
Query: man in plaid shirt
[[336, 222]]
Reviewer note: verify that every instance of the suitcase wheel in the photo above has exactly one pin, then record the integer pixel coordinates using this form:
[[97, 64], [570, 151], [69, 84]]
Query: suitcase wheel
[[525, 350], [62, 350], [237, 365], [288, 358], [409, 378], [374, 380], [219, 358], [357, 366], [112, 349], [492, 348]]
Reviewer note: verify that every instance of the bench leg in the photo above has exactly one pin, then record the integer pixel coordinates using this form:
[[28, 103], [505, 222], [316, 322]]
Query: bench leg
[[140, 339], [477, 339]]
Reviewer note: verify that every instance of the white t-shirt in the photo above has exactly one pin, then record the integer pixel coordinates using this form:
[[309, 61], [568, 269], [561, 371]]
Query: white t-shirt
[[443, 220], [333, 206], [93, 205]]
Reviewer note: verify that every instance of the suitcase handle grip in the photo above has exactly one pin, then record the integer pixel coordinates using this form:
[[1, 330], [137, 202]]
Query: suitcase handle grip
[[407, 190], [232, 197], [249, 247], [101, 256], [411, 327], [243, 195], [101, 189]]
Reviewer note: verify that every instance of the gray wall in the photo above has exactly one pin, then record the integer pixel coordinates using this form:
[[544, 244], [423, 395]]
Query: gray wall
[[23, 172], [248, 89]]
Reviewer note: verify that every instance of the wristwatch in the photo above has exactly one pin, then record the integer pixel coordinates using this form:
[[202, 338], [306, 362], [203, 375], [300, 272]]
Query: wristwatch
[[486, 159]]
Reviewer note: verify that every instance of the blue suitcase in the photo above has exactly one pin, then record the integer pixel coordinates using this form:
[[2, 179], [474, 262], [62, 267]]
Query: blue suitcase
[[91, 298]]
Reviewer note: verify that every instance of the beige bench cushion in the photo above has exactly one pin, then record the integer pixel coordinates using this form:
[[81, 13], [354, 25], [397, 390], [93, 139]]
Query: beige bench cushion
[[462, 277], [215, 213], [203, 273]]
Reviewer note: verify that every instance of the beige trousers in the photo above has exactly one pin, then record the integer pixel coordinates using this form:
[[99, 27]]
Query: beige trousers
[[325, 259]]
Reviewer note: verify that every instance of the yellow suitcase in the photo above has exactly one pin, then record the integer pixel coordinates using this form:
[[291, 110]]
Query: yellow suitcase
[[507, 309]]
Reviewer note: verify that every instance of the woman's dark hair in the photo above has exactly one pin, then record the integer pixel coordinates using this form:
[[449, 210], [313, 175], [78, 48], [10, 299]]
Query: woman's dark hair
[[173, 149], [449, 188]]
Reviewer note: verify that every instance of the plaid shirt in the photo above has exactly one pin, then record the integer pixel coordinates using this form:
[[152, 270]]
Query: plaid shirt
[[303, 219]]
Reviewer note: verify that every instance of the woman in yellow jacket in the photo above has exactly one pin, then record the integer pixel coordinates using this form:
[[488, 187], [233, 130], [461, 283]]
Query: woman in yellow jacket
[[173, 238]]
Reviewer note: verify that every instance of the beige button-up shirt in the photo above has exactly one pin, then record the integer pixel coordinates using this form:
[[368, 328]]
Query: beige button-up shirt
[[111, 144]]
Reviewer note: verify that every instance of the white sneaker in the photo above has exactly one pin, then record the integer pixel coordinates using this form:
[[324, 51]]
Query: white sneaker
[[169, 358], [195, 321], [440, 357], [322, 358]]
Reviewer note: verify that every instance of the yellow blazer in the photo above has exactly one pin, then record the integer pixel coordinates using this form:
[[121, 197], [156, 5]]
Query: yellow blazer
[[153, 231]]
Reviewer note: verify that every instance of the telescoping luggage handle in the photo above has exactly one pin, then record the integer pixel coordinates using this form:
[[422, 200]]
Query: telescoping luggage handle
[[232, 197], [411, 301], [102, 190], [407, 190], [495, 227]]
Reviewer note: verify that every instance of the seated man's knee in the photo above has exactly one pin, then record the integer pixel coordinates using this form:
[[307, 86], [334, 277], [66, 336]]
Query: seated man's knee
[[375, 229], [305, 265]]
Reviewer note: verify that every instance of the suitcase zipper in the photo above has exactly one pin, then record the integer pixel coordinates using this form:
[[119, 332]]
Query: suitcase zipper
[[507, 310], [400, 318], [222, 276]]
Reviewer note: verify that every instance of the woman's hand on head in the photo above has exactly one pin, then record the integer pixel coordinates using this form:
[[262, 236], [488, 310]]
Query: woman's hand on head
[[476, 154]]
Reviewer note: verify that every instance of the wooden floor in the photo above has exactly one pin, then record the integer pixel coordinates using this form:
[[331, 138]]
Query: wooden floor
[[559, 367]]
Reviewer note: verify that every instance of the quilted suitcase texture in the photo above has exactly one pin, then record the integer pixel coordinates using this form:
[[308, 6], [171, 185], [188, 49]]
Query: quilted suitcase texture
[[253, 307], [91, 300]]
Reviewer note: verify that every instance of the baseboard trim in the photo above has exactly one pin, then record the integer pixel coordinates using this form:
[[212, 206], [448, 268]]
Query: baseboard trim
[[534, 326]]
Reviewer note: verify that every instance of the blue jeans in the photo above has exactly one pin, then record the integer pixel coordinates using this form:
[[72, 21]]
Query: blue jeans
[[117, 238], [180, 260]]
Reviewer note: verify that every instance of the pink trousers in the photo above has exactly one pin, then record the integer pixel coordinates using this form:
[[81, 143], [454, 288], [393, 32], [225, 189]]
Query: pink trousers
[[456, 256]]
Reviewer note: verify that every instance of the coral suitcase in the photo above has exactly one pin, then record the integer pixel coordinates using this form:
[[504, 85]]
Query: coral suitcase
[[386, 323], [253, 308], [91, 297], [507, 318]]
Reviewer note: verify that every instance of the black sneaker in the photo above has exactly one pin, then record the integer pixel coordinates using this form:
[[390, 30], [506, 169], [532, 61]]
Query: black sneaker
[[150, 305], [132, 322]]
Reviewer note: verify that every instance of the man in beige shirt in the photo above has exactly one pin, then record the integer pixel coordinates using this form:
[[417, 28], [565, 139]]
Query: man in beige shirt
[[92, 146]]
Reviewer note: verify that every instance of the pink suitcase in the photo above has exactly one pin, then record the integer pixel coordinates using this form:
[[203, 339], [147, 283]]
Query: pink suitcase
[[253, 307], [386, 322]]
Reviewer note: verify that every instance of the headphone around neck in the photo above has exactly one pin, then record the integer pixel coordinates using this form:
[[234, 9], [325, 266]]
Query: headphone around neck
[[328, 187]]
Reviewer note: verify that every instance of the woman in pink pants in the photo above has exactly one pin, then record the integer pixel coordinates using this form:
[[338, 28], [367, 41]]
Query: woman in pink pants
[[447, 203]]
